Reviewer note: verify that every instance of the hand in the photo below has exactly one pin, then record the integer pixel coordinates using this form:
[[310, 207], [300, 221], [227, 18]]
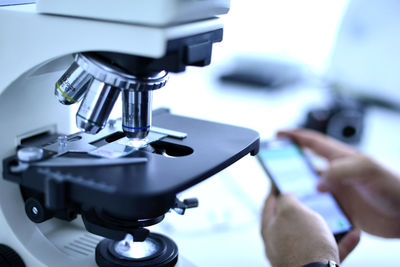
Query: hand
[[368, 193], [295, 235]]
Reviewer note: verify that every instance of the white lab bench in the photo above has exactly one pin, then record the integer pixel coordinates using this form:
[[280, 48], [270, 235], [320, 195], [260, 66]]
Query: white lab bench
[[224, 230]]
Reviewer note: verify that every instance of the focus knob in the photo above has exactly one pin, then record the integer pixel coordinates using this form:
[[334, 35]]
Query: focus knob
[[10, 258], [36, 211]]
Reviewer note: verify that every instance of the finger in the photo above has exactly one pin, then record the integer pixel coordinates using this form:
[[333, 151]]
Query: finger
[[321, 144], [269, 204], [268, 213], [269, 209], [348, 243], [286, 202], [320, 172], [274, 190], [345, 171]]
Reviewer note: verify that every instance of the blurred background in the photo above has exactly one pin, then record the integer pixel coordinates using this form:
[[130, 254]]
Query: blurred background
[[329, 65]]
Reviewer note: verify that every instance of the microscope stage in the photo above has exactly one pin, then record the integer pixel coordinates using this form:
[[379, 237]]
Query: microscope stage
[[147, 188]]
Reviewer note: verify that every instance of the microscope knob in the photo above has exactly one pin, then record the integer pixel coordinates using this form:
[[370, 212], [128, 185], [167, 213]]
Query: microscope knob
[[181, 206], [29, 154], [10, 258], [36, 211]]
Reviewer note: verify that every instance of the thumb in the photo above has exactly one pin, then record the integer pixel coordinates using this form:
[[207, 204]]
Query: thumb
[[348, 243], [344, 171], [287, 202]]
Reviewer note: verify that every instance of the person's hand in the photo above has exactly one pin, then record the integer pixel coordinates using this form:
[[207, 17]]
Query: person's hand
[[295, 235], [368, 193]]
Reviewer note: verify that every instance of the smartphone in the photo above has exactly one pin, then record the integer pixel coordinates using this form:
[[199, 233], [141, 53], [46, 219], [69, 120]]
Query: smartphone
[[291, 172]]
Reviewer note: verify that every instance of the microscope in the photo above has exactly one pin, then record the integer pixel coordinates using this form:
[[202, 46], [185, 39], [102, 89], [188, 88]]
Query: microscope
[[87, 198]]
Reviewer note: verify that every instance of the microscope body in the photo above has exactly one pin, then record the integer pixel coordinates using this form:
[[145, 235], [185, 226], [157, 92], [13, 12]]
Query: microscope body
[[37, 46]]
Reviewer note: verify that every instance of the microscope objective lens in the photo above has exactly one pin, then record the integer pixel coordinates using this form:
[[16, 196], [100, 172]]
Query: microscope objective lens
[[136, 113], [72, 86], [96, 107]]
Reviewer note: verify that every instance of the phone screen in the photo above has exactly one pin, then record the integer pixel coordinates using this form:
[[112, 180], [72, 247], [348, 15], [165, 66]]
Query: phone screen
[[291, 172]]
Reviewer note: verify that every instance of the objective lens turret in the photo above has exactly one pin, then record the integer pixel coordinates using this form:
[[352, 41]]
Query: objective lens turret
[[101, 83]]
